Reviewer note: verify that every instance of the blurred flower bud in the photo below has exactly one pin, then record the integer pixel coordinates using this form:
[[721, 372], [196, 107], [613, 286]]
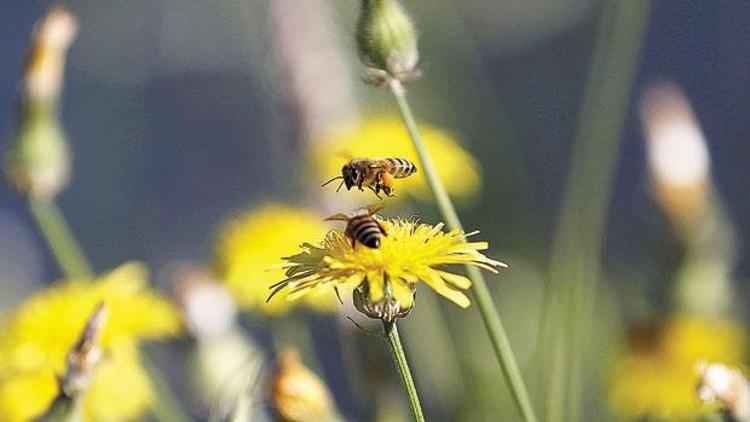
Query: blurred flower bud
[[225, 363], [727, 386], [387, 39], [387, 309], [677, 155], [45, 63], [208, 308], [298, 395], [38, 162]]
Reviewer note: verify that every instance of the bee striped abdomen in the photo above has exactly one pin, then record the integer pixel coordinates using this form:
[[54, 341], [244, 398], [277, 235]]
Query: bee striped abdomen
[[365, 230], [402, 167]]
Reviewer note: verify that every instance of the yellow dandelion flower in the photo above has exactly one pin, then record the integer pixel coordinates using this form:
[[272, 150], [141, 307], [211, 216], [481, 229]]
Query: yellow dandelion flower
[[249, 247], [36, 338], [410, 252], [386, 137], [658, 378]]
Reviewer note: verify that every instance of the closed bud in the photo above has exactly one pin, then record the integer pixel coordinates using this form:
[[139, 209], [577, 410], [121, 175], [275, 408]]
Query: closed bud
[[387, 40], [298, 394], [387, 309], [38, 162]]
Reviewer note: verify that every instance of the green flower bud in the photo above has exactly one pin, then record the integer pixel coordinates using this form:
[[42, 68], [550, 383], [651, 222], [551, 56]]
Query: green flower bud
[[387, 39], [38, 161]]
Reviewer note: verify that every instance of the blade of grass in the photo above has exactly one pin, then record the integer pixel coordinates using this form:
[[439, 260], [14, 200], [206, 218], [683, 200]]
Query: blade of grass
[[575, 266]]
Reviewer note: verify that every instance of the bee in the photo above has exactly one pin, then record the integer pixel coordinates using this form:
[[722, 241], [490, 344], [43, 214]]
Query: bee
[[374, 173], [362, 226]]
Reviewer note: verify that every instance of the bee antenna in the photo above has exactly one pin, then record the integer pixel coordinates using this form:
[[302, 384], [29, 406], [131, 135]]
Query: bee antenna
[[340, 185], [335, 178]]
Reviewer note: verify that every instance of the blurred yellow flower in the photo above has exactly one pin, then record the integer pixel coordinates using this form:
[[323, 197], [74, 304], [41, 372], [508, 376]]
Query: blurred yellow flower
[[386, 137], [35, 340], [658, 377], [249, 248], [409, 253]]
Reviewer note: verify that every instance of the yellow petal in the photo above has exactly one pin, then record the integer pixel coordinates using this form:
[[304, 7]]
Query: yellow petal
[[402, 292], [377, 287], [455, 279], [433, 279]]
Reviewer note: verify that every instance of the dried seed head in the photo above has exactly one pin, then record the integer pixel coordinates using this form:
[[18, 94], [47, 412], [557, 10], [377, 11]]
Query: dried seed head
[[387, 309], [387, 40], [85, 355]]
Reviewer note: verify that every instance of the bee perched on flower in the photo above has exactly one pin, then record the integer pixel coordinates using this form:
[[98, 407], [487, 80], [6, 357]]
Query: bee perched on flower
[[387, 275]]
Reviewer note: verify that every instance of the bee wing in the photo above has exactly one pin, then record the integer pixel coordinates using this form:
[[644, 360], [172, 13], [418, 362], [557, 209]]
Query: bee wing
[[338, 217], [374, 208], [381, 163], [382, 228], [345, 154]]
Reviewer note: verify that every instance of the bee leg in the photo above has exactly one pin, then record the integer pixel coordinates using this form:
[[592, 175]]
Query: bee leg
[[376, 189], [382, 228]]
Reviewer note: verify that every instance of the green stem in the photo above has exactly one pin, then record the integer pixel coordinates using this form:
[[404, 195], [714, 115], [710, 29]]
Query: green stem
[[487, 309], [165, 407], [62, 244], [63, 409], [72, 261], [399, 359]]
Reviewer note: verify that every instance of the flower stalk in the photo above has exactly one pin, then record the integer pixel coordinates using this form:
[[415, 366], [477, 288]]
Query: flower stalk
[[58, 235], [390, 332], [487, 309]]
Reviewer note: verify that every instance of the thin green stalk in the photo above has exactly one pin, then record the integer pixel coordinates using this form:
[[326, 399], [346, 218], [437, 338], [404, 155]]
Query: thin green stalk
[[576, 264], [62, 244], [72, 261], [291, 331], [490, 316], [402, 366], [63, 409], [166, 407]]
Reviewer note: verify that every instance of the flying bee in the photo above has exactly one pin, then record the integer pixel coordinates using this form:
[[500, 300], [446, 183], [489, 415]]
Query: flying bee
[[362, 226], [374, 173]]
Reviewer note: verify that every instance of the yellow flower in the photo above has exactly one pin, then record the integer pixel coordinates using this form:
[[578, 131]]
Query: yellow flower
[[386, 137], [409, 253], [658, 378], [35, 340], [250, 245]]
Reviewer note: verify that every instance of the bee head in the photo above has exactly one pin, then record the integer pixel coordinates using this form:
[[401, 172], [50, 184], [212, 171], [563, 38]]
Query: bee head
[[351, 176]]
